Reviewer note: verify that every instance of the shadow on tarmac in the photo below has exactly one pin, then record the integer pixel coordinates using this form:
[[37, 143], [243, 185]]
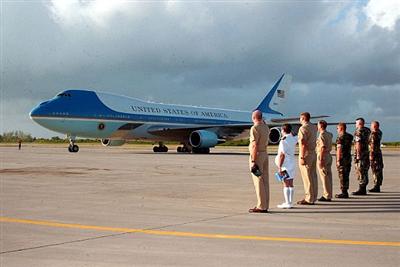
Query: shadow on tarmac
[[384, 202]]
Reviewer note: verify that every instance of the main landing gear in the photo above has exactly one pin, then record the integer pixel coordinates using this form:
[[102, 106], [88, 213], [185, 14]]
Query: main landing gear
[[195, 150], [72, 147], [160, 148], [202, 150], [184, 149]]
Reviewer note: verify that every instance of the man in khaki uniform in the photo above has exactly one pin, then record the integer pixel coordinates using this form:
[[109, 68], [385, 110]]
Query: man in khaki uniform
[[259, 135], [308, 159], [324, 160]]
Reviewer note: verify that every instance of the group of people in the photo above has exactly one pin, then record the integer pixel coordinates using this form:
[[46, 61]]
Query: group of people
[[314, 153]]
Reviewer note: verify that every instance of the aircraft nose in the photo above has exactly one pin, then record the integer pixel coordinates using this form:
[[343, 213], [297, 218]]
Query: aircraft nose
[[34, 112], [37, 111]]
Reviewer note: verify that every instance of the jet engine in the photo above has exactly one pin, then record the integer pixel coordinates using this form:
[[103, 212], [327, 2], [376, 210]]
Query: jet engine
[[203, 139], [275, 135], [110, 142]]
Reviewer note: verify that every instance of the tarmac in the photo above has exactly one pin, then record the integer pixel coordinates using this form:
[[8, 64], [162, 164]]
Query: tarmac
[[127, 206]]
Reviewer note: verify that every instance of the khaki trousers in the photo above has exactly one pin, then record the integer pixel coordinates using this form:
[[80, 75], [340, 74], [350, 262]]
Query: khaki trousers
[[325, 174], [261, 184], [309, 175]]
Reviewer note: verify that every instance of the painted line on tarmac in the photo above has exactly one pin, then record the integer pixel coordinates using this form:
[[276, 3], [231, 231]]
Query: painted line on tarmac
[[189, 234]]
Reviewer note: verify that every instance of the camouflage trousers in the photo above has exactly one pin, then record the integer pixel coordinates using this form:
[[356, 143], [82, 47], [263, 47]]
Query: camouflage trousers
[[362, 167], [344, 174], [377, 169]]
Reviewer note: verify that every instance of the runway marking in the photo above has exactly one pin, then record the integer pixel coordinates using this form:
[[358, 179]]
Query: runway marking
[[189, 234]]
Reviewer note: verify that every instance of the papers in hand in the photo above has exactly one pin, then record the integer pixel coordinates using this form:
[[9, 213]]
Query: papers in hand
[[281, 176]]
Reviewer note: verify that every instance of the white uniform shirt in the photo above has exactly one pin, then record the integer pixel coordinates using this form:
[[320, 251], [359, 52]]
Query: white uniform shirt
[[287, 146]]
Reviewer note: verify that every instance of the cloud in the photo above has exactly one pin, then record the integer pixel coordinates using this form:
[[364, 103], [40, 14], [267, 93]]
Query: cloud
[[383, 13], [73, 12], [205, 53]]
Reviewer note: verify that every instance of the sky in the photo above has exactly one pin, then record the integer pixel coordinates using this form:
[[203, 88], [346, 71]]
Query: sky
[[344, 56]]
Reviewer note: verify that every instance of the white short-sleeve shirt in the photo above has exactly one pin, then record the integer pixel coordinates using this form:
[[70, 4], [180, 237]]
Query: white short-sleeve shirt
[[287, 146]]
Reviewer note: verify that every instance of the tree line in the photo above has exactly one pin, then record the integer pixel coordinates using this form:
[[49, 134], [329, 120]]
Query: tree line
[[15, 136]]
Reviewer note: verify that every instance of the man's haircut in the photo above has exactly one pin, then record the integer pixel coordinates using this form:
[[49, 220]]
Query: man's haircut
[[342, 124], [323, 124], [257, 114], [287, 128], [306, 115], [361, 119], [376, 122]]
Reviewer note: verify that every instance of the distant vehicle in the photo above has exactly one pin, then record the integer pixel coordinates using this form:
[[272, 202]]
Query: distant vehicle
[[115, 119]]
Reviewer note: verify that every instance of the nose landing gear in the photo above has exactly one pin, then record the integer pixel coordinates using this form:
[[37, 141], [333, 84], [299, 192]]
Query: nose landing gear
[[72, 147]]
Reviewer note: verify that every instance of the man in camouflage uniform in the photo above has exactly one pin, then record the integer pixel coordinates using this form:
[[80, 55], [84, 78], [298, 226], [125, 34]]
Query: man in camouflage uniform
[[361, 156], [344, 142], [375, 156]]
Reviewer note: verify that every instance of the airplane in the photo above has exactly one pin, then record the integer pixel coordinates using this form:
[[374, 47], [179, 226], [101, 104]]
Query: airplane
[[115, 119]]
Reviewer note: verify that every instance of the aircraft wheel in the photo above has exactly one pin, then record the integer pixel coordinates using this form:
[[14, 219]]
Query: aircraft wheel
[[75, 148], [70, 149], [156, 149], [179, 149], [205, 150], [164, 149]]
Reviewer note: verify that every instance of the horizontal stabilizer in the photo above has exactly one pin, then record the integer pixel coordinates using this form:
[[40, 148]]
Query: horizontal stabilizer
[[295, 119]]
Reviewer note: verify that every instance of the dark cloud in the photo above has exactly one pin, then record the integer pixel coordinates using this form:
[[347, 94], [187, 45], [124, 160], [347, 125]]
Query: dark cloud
[[182, 52]]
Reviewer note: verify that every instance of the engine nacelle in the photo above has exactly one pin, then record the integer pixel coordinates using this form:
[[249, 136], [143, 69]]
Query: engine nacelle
[[274, 135], [110, 142], [203, 139]]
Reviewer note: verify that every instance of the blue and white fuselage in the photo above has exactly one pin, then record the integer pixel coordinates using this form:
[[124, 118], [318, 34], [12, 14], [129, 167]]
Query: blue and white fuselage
[[115, 119]]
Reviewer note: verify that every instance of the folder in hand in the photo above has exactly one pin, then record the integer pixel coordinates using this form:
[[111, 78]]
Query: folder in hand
[[281, 176]]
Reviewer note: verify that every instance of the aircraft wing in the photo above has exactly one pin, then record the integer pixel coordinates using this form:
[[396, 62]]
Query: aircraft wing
[[223, 131]]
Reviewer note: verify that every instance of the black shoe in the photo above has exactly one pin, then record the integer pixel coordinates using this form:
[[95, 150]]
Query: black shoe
[[362, 191], [344, 194], [375, 189], [323, 199]]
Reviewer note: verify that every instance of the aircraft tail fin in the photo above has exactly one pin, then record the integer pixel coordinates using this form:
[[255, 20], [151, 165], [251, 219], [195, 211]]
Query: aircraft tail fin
[[276, 96]]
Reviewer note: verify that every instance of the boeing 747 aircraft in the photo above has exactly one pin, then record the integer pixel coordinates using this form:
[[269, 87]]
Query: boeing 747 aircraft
[[115, 119]]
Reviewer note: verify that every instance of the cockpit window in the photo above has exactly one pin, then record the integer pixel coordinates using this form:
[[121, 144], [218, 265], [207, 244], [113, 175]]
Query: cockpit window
[[64, 95]]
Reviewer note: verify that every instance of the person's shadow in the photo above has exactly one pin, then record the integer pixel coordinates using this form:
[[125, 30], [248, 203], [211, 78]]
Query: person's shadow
[[384, 202]]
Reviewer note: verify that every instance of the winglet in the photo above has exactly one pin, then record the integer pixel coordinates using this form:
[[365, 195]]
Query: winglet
[[264, 106]]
